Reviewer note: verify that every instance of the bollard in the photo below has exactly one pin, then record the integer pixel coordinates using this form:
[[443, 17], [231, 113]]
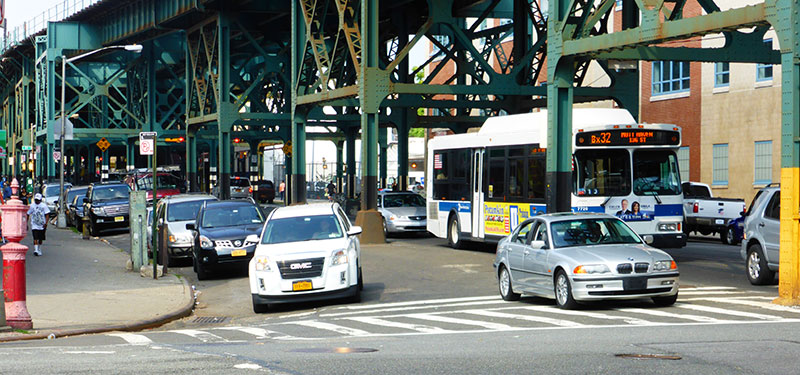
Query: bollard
[[3, 326], [15, 227], [85, 228]]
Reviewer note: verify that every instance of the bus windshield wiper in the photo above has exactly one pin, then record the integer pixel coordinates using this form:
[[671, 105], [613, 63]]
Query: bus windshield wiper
[[655, 195]]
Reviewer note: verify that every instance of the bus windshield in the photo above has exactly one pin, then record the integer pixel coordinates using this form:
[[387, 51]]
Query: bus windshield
[[602, 172], [656, 173]]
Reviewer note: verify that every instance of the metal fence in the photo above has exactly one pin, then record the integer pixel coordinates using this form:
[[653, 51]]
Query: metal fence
[[29, 28]]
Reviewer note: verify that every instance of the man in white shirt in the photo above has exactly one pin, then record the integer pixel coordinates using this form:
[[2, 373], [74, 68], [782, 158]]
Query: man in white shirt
[[37, 216]]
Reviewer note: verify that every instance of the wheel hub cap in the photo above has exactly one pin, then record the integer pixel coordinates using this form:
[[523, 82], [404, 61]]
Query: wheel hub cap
[[754, 266], [561, 289]]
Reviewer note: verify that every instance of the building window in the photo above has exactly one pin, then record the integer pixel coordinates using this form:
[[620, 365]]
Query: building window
[[763, 163], [722, 74], [443, 40], [719, 164], [619, 5], [683, 163], [764, 71], [670, 77]]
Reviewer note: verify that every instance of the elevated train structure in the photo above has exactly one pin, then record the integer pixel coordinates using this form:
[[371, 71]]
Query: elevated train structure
[[214, 70]]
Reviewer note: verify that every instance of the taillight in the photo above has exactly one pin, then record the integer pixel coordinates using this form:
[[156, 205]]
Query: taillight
[[696, 207], [251, 189]]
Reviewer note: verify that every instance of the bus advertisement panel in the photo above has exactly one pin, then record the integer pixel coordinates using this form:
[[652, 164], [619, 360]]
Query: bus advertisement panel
[[501, 218]]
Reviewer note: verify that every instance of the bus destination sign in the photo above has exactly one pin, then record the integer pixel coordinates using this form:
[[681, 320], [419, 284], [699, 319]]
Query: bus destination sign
[[628, 137]]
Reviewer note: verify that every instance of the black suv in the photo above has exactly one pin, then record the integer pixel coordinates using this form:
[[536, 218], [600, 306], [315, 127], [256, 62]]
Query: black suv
[[107, 206]]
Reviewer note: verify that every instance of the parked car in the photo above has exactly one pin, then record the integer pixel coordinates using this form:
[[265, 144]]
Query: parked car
[[306, 253], [74, 212], [219, 235], [51, 192], [264, 191], [176, 211], [733, 233], [761, 240], [583, 257], [705, 213], [402, 212], [106, 205], [168, 184]]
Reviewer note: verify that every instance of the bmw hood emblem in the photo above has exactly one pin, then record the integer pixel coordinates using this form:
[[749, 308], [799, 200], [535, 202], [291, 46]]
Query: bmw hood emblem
[[238, 243]]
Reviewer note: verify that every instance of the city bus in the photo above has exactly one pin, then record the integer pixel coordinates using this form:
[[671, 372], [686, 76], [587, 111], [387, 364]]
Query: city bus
[[482, 185]]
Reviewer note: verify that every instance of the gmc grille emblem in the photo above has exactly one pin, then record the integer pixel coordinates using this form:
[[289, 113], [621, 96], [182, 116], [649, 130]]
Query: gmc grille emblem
[[300, 266]]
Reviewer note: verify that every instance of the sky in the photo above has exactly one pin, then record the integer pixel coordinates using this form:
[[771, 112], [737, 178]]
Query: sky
[[19, 11]]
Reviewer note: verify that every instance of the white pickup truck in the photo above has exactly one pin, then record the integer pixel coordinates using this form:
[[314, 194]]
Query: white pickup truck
[[706, 214]]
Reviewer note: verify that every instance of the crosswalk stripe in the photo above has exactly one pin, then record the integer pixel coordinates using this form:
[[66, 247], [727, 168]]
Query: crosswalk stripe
[[409, 308], [661, 313], [589, 314], [200, 335], [423, 302], [259, 333], [531, 318], [132, 338], [448, 319], [708, 288], [762, 305], [707, 292], [718, 310], [332, 327], [387, 323]]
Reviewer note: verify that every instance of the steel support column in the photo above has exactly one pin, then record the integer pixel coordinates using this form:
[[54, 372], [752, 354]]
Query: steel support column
[[340, 166], [191, 159], [383, 166], [369, 104], [226, 111], [350, 140], [402, 151]]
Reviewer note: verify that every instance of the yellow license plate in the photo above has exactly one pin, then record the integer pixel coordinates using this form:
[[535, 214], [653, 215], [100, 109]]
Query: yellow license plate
[[119, 218], [301, 285], [238, 253]]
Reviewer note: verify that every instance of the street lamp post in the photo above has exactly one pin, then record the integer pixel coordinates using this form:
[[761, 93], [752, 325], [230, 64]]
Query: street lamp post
[[62, 218]]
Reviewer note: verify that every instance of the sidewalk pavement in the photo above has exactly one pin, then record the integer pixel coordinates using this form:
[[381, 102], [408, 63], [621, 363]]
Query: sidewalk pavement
[[81, 286]]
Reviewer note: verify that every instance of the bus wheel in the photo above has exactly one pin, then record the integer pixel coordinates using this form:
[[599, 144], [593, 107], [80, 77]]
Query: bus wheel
[[454, 233]]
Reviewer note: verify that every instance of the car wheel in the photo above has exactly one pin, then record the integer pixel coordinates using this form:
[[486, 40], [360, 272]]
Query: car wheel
[[200, 269], [563, 292], [728, 236], [360, 279], [93, 229], [385, 229], [758, 273], [665, 301], [454, 234], [259, 308], [506, 290]]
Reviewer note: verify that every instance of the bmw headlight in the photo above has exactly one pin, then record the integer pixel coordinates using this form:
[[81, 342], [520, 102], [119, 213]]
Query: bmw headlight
[[339, 257], [205, 242], [668, 227], [262, 263], [98, 211], [664, 265], [591, 269]]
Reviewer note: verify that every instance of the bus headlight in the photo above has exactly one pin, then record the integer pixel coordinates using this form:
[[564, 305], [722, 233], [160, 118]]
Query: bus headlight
[[668, 227]]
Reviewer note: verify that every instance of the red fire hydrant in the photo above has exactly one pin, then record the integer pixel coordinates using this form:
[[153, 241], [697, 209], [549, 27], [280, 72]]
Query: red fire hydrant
[[14, 229]]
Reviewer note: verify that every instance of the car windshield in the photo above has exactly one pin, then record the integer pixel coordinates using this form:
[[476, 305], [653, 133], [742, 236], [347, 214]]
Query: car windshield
[[72, 193], [581, 232], [52, 191], [655, 172], [184, 211], [403, 200], [240, 182], [110, 192], [294, 229], [165, 181], [231, 216], [601, 173]]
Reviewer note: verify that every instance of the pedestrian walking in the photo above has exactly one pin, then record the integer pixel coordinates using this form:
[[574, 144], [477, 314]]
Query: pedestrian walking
[[282, 188], [37, 216]]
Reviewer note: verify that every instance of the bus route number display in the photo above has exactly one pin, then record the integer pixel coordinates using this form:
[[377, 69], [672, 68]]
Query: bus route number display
[[628, 137]]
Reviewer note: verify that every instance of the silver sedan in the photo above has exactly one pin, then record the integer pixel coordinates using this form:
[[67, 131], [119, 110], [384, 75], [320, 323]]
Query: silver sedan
[[583, 257]]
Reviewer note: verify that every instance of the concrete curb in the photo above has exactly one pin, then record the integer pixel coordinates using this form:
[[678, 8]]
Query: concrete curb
[[184, 311]]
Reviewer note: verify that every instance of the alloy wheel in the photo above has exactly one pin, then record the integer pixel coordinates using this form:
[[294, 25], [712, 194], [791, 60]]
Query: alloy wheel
[[754, 265]]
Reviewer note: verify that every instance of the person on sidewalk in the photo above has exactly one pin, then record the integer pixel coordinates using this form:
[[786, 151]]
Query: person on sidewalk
[[37, 216], [281, 189]]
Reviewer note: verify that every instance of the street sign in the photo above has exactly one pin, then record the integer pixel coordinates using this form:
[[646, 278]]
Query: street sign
[[3, 154], [287, 148], [103, 144], [27, 148], [147, 142], [69, 133], [56, 155], [3, 138]]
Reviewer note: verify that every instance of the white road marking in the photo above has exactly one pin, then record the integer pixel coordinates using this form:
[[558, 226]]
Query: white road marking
[[331, 327], [447, 319], [531, 318], [466, 268], [200, 335], [414, 308], [423, 302], [387, 323], [718, 310], [708, 288], [89, 352], [661, 313], [707, 292], [132, 338], [247, 366], [762, 305], [595, 315], [259, 333]]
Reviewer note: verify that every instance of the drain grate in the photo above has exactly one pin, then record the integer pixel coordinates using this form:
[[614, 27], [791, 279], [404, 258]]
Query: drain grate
[[210, 319], [649, 356], [335, 350]]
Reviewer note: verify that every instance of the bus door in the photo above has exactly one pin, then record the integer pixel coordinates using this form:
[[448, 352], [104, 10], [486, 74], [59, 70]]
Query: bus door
[[477, 193]]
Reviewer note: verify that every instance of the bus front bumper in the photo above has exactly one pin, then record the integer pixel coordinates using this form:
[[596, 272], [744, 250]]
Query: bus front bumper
[[669, 240]]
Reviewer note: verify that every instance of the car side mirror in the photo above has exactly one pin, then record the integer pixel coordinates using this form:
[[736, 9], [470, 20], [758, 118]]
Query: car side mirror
[[538, 244], [648, 239], [191, 226], [251, 238], [743, 213], [354, 231]]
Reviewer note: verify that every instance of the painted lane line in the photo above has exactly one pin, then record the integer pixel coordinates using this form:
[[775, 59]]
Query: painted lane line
[[718, 310], [664, 314], [530, 318], [447, 319], [387, 323], [708, 288], [331, 327], [423, 302], [200, 335], [372, 312], [132, 338], [89, 352], [707, 292], [762, 305], [764, 298], [588, 314]]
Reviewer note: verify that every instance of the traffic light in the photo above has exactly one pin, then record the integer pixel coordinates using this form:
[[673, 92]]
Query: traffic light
[[237, 140], [175, 140]]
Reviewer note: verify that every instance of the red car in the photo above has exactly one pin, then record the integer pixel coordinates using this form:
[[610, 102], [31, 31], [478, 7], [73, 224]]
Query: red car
[[168, 184]]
